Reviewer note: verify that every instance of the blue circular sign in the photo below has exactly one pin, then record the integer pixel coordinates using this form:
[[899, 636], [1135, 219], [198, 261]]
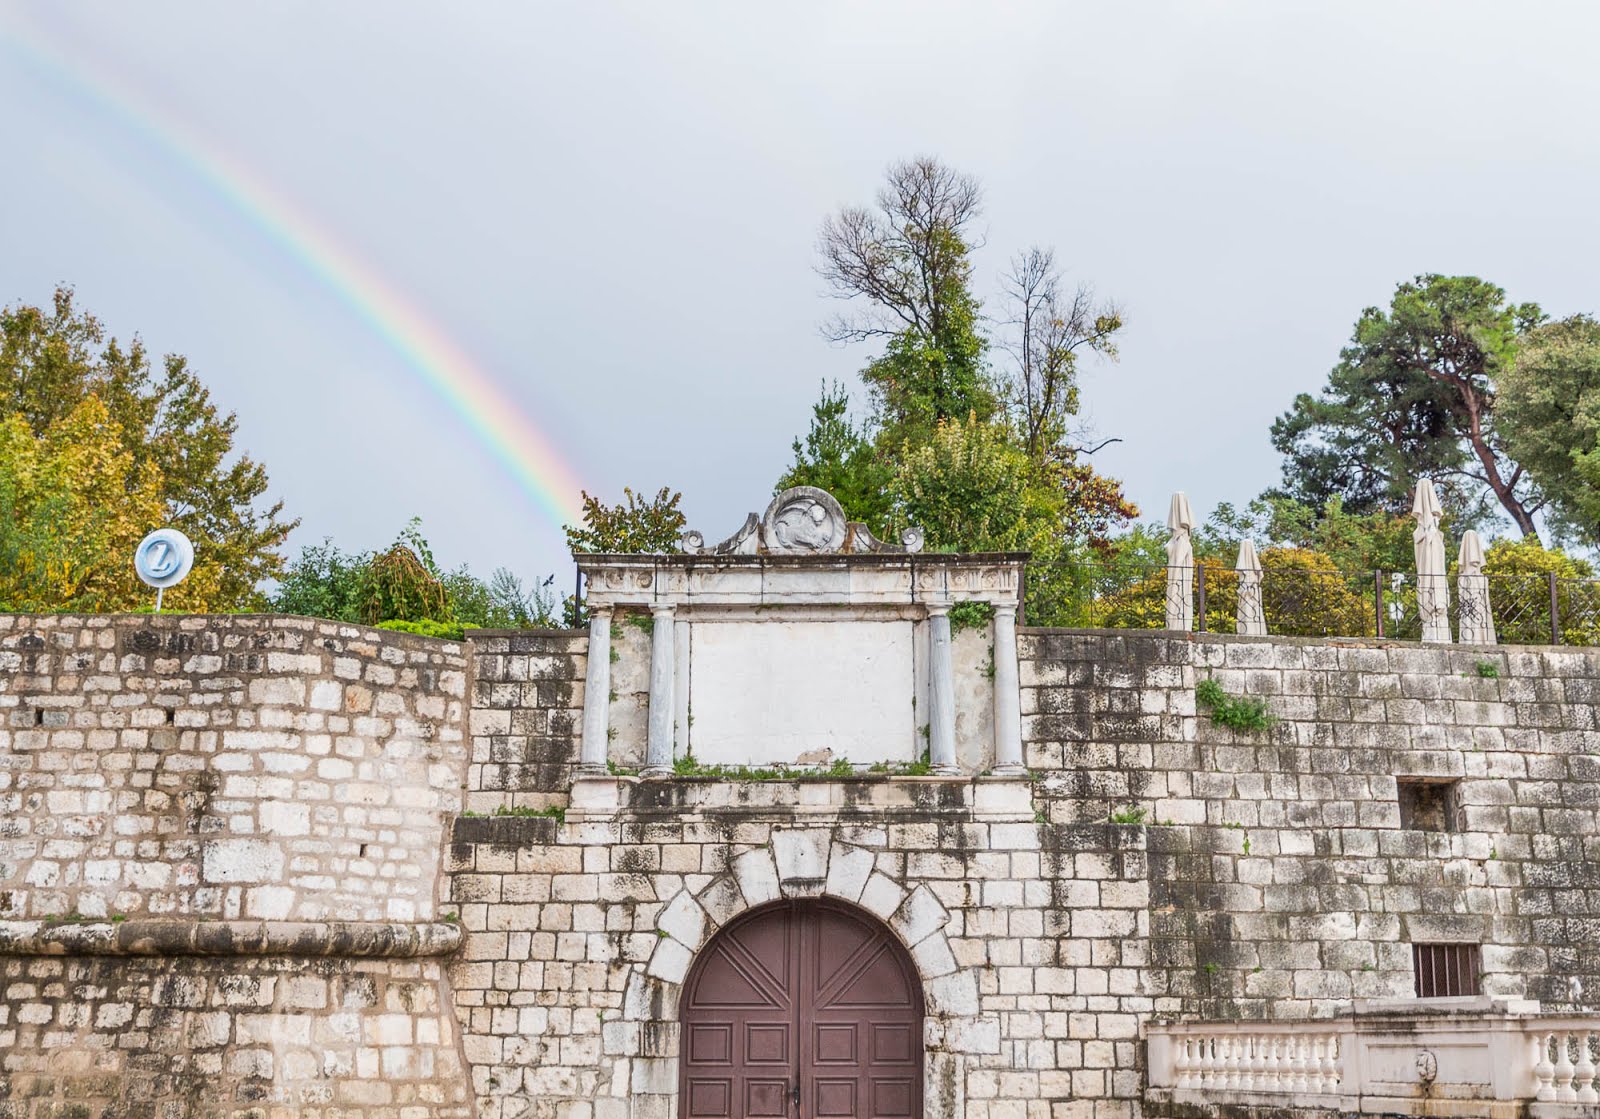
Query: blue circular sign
[[163, 558]]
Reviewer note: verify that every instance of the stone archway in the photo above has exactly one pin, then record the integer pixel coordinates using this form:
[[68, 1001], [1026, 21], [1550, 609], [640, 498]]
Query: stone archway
[[802, 1009]]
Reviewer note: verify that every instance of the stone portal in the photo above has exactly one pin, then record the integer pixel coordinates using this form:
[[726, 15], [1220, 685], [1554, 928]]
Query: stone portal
[[804, 1008]]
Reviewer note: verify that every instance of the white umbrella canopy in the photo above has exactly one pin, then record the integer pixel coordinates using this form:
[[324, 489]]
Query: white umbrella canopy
[[1427, 542], [1251, 618], [1180, 564], [1472, 592]]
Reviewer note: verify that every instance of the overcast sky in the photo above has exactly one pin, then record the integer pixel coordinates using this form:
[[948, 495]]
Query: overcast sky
[[613, 208]]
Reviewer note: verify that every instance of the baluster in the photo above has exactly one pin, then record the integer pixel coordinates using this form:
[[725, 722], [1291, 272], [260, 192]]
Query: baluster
[[1317, 1058], [1302, 1081], [1247, 1062], [1228, 1075], [1203, 1062], [1273, 1072], [1180, 1062], [1564, 1069], [1335, 1062], [1584, 1078], [1258, 1062], [1543, 1070]]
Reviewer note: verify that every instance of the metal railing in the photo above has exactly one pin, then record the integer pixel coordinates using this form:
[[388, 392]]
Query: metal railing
[[1536, 608]]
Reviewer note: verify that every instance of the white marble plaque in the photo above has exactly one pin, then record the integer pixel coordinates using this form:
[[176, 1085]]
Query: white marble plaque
[[797, 691]]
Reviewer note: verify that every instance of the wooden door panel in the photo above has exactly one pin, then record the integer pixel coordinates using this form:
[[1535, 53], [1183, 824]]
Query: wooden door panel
[[710, 1098], [804, 1010]]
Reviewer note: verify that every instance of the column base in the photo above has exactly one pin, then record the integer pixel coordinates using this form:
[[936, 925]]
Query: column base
[[602, 795], [1010, 771], [656, 771], [945, 771]]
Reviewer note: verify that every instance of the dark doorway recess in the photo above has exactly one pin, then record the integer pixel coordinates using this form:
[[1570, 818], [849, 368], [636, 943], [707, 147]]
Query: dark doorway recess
[[802, 1010]]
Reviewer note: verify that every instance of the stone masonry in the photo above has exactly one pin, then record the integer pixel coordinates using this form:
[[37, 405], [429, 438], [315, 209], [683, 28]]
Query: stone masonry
[[1152, 865], [219, 863]]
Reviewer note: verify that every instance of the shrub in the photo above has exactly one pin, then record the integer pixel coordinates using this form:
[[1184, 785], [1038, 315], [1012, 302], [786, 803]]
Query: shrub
[[1519, 593], [1233, 711], [426, 627]]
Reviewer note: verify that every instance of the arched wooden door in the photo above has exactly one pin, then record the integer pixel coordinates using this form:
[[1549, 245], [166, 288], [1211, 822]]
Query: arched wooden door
[[802, 1010]]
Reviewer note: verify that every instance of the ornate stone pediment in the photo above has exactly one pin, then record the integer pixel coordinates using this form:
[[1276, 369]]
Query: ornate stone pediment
[[803, 521]]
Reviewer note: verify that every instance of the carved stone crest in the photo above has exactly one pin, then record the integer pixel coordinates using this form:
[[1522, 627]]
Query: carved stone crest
[[801, 521], [804, 520]]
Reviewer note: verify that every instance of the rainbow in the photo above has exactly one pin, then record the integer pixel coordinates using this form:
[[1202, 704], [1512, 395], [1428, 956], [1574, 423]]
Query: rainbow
[[497, 422]]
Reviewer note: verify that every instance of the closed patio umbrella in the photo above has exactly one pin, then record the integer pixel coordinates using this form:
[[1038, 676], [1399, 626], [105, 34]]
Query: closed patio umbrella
[[1472, 593], [1180, 565], [1433, 592], [1252, 619]]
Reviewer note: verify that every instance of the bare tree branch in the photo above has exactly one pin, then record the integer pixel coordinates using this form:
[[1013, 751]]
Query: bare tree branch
[[902, 260]]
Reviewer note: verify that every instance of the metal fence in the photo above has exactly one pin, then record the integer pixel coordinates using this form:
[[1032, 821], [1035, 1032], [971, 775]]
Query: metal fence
[[1535, 608]]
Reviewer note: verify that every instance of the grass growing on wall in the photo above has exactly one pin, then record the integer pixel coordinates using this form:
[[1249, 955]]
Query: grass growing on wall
[[689, 766], [1236, 712]]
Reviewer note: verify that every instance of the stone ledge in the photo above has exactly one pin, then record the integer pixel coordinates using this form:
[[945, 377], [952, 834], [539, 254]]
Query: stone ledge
[[505, 831], [882, 795], [178, 937]]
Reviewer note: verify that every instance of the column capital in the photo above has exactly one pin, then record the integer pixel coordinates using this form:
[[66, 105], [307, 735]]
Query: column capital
[[658, 609], [937, 608], [1004, 607], [600, 610]]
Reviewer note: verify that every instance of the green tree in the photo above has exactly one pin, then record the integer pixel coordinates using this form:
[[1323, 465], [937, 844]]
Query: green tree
[[52, 360], [1050, 330], [1519, 574], [907, 267], [1549, 407], [1354, 542], [503, 602], [403, 583], [645, 526], [322, 582], [72, 507], [942, 415], [1414, 396], [838, 455], [972, 488]]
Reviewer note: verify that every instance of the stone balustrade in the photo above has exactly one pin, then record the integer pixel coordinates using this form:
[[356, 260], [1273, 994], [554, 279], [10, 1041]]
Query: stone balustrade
[[1562, 1054], [1461, 1056]]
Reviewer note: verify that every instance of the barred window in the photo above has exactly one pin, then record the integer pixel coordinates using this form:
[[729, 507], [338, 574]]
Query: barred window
[[1445, 970]]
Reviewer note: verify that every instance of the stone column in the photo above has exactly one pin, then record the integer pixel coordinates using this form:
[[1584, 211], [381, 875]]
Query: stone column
[[942, 686], [597, 695], [658, 743], [1007, 694]]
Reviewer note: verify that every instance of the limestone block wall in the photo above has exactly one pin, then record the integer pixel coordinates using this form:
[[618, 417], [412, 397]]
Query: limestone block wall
[[230, 767], [527, 711], [180, 1037], [1281, 881], [579, 933], [1267, 873]]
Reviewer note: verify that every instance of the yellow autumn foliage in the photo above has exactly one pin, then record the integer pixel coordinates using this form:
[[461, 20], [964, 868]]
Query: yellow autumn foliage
[[72, 507]]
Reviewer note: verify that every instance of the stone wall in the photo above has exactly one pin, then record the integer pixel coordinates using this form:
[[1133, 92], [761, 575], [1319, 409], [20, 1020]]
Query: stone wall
[[1154, 864], [1267, 873], [527, 711], [233, 767], [220, 844], [181, 1036], [579, 935], [1281, 881]]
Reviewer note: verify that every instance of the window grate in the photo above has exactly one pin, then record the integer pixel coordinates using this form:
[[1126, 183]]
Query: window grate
[[1446, 970]]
